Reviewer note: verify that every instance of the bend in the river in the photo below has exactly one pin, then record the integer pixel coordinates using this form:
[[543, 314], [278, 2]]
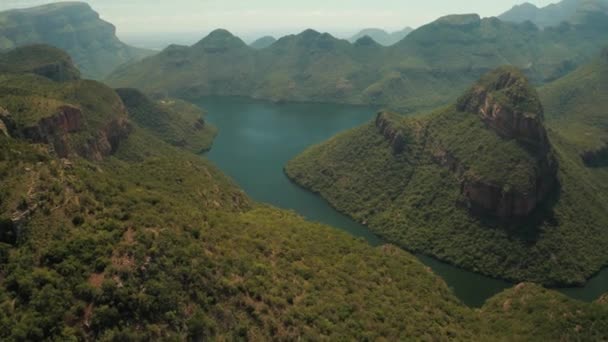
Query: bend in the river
[[258, 138]]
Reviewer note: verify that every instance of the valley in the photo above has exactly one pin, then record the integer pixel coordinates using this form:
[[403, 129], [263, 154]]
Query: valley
[[265, 136], [443, 183]]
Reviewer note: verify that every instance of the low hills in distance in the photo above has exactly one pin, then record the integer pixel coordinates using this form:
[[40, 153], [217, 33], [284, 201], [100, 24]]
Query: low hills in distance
[[482, 183], [110, 230], [382, 37], [73, 27], [569, 11], [429, 67]]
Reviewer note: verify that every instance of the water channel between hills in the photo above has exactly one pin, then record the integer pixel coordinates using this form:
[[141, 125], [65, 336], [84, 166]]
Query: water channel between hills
[[258, 138]]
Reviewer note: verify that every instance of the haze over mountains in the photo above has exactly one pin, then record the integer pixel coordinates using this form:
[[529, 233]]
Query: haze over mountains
[[73, 27], [382, 37], [571, 11]]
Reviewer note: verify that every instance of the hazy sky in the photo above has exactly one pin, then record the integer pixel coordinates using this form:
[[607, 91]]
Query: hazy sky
[[249, 17]]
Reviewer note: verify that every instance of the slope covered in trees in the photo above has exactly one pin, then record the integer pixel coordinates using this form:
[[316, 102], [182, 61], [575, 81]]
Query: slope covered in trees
[[149, 241]]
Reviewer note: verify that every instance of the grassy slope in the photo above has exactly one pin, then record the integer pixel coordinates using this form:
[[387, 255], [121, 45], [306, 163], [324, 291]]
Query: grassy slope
[[576, 105], [412, 201]]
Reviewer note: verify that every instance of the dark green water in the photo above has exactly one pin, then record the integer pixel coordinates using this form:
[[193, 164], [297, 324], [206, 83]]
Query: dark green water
[[258, 138]]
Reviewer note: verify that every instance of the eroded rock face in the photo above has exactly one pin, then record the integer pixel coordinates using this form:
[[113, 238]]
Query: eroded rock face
[[107, 141], [511, 108], [387, 126], [55, 131], [508, 107]]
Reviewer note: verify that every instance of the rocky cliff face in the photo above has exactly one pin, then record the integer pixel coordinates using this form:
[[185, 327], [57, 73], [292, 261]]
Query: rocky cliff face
[[73, 27], [107, 140], [389, 128], [507, 104], [56, 131]]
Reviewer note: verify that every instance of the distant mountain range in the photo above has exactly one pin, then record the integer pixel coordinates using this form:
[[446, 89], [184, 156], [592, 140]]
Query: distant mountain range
[[381, 36], [571, 11], [73, 27], [263, 42], [431, 66]]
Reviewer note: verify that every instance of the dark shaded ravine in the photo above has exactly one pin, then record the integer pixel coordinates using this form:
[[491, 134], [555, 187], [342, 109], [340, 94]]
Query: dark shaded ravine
[[258, 138]]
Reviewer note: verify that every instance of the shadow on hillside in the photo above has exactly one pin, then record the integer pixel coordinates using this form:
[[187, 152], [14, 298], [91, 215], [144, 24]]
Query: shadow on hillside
[[529, 229]]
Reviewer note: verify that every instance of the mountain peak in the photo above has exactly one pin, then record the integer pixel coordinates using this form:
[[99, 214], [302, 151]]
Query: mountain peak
[[509, 105], [366, 41], [220, 40], [309, 34], [460, 19]]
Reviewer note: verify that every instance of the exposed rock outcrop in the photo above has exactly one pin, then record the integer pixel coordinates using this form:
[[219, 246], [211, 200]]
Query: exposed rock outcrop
[[107, 140], [55, 130], [508, 105], [388, 126]]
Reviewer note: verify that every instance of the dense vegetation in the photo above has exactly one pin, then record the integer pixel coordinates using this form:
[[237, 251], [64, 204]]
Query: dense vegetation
[[416, 197], [73, 27], [154, 243], [174, 121], [431, 66], [576, 107]]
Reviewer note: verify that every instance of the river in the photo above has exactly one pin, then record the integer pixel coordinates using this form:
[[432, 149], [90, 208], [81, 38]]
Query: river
[[258, 138]]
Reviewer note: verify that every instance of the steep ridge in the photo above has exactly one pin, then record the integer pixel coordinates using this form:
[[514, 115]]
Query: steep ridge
[[570, 11], [429, 67], [508, 105], [480, 184], [154, 243], [42, 60], [73, 27]]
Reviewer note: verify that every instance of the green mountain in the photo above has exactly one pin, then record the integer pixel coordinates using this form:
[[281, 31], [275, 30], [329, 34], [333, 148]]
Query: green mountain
[[42, 60], [431, 66], [148, 241], [174, 121], [73, 27], [381, 36], [577, 110], [263, 42], [571, 11], [480, 184]]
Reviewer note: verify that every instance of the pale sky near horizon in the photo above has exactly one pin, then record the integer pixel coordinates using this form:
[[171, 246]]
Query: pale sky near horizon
[[250, 17]]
